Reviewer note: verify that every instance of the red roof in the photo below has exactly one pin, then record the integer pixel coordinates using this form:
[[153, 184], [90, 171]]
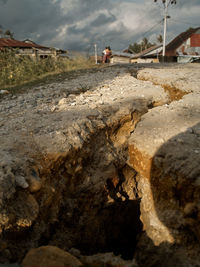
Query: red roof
[[6, 42]]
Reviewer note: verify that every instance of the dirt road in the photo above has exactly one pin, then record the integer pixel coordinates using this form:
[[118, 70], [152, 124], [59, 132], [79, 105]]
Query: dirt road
[[78, 153]]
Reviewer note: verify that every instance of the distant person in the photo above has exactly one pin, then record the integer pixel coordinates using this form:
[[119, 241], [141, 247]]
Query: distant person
[[104, 53], [107, 53]]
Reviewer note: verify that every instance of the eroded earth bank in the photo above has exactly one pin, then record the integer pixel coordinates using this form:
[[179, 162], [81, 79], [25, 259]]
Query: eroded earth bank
[[103, 169]]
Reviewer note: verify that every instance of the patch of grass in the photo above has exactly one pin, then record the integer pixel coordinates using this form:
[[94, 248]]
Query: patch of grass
[[16, 71]]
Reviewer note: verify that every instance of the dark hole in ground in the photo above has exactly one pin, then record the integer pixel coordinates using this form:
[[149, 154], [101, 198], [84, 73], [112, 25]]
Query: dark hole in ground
[[90, 223], [114, 229], [94, 217]]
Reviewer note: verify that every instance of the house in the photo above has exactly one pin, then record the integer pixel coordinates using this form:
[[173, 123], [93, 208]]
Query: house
[[182, 49], [185, 47], [29, 48], [149, 55], [120, 57]]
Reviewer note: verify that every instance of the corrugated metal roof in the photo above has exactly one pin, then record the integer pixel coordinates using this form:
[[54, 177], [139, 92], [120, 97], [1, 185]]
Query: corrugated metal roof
[[6, 42], [155, 51], [121, 54], [187, 58], [192, 51], [176, 42], [147, 51]]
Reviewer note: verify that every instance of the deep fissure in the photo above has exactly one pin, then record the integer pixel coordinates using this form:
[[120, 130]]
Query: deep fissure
[[88, 201], [104, 178], [101, 218], [173, 92]]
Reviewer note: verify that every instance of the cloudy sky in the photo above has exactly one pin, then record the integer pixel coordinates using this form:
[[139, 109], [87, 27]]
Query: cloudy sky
[[78, 24]]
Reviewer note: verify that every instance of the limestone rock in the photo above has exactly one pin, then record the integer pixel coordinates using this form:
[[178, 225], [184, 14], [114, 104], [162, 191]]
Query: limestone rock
[[163, 149], [27, 212], [9, 265], [20, 181], [3, 92], [106, 260], [50, 256], [34, 181]]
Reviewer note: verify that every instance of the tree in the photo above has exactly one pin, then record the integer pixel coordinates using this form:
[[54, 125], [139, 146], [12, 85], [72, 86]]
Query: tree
[[139, 47], [9, 33], [1, 30], [160, 38], [135, 48], [145, 43]]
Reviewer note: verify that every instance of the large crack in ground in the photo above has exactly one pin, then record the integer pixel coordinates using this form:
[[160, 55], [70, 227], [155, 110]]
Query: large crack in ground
[[94, 193], [173, 92], [88, 199]]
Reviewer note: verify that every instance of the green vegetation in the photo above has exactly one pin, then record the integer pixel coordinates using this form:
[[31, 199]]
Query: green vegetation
[[160, 39], [17, 70], [139, 47], [6, 33]]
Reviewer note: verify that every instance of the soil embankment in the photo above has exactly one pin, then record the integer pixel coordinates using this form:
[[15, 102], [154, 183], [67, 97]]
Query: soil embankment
[[106, 162]]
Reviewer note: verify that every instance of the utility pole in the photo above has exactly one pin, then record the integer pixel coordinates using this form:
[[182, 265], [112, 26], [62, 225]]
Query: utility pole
[[95, 53], [166, 3], [165, 28]]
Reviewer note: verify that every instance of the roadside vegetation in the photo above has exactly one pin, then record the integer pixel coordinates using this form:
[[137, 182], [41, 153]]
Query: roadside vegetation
[[143, 45], [19, 70]]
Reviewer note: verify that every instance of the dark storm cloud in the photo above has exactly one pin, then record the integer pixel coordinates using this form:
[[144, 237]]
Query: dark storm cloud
[[30, 17], [88, 5], [103, 19], [42, 21], [100, 21], [184, 3], [81, 9], [74, 30], [184, 14], [78, 24]]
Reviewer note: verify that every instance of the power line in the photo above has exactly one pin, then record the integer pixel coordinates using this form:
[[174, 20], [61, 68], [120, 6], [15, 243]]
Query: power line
[[170, 3], [157, 23], [160, 8], [185, 22], [145, 33], [153, 14], [166, 4]]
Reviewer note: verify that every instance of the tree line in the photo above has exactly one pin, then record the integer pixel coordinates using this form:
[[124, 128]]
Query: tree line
[[6, 33], [143, 45]]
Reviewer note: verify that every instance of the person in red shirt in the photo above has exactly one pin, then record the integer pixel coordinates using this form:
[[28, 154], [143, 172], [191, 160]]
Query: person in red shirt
[[107, 53]]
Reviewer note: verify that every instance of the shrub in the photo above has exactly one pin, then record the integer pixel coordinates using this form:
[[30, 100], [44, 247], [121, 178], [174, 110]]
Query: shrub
[[16, 69]]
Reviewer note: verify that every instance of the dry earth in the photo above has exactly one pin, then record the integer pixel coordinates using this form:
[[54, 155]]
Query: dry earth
[[107, 162]]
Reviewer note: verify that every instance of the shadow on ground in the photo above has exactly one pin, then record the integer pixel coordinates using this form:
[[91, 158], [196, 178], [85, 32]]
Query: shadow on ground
[[175, 185]]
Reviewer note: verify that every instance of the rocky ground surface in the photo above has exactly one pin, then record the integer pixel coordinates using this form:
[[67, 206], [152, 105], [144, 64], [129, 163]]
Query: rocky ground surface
[[104, 162]]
